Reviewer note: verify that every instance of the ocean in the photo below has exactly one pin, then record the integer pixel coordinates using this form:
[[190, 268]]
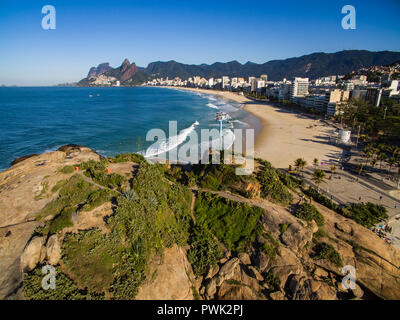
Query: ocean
[[108, 120]]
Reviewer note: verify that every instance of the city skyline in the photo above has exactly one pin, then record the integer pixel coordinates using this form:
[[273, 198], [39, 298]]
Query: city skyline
[[95, 32]]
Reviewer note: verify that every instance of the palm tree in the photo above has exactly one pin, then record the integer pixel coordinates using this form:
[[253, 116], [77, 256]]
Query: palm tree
[[300, 163], [316, 162], [333, 169], [318, 176], [373, 163], [382, 157]]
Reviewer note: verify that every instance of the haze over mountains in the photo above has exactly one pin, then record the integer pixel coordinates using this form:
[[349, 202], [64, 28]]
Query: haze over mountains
[[311, 66]]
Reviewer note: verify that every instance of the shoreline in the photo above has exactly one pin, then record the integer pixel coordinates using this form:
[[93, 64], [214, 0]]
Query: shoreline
[[284, 135]]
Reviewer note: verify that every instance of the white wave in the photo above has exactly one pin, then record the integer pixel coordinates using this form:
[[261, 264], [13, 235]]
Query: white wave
[[238, 121], [212, 106], [171, 143]]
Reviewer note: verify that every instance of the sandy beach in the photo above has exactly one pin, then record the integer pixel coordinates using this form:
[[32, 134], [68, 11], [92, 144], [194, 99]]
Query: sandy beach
[[285, 135]]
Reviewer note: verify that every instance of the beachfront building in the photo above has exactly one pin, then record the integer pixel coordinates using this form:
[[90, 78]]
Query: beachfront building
[[299, 88], [225, 82]]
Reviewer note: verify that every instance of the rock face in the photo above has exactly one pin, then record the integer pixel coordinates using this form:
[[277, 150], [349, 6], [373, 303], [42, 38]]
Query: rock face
[[53, 250], [20, 189], [32, 254], [100, 69], [173, 278], [291, 271]]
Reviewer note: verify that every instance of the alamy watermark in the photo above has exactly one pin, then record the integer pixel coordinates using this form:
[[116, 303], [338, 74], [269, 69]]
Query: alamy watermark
[[349, 280], [49, 280], [49, 20], [349, 20], [187, 147]]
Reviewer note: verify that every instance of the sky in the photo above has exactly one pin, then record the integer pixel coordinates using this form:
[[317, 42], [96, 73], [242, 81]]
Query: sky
[[91, 32]]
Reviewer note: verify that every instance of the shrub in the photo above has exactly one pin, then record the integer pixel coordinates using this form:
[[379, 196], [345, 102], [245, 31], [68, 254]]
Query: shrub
[[270, 248], [271, 185], [65, 289], [272, 281], [234, 223], [204, 250], [325, 251], [283, 227], [58, 185], [67, 169], [75, 191], [320, 198], [368, 215], [309, 212], [98, 198], [128, 157]]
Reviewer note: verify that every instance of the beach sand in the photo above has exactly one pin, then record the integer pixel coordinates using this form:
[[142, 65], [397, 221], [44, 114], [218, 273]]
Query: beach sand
[[285, 135]]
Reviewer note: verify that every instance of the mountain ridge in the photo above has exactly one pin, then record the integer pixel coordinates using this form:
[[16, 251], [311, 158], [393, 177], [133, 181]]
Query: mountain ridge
[[314, 65]]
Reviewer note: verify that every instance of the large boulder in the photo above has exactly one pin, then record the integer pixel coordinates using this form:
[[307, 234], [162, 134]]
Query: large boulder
[[32, 254], [174, 278], [53, 250]]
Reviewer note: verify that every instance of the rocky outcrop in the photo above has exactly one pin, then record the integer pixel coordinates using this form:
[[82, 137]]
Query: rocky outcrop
[[32, 254], [100, 69], [24, 191], [170, 280], [53, 250]]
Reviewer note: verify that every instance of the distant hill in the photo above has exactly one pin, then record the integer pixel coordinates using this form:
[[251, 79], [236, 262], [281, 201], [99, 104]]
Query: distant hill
[[311, 66]]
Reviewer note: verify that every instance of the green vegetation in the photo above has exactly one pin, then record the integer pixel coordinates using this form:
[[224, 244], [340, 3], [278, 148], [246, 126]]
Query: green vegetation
[[368, 214], [320, 198], [384, 120], [283, 227], [45, 187], [150, 216], [204, 250], [66, 289], [235, 224], [67, 169], [89, 259], [270, 247], [127, 157], [59, 185], [325, 251], [272, 281], [318, 177], [272, 185], [309, 212], [98, 198], [75, 191], [97, 170]]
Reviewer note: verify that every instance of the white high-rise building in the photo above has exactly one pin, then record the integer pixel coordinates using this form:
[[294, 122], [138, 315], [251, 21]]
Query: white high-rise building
[[225, 82], [299, 88], [211, 82]]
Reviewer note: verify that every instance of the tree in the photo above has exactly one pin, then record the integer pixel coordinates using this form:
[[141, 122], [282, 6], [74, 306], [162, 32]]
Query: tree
[[316, 162], [318, 177], [333, 169], [300, 163], [381, 157]]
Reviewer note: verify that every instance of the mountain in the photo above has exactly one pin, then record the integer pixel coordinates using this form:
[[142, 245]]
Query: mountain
[[128, 74], [100, 69], [311, 66]]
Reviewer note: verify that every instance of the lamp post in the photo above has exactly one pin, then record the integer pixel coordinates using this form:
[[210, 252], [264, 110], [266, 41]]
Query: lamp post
[[220, 117]]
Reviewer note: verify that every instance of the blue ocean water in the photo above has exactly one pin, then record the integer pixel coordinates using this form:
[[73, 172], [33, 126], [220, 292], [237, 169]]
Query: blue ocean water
[[108, 120]]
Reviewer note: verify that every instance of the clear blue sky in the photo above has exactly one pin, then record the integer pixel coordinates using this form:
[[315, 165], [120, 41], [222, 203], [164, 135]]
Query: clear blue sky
[[90, 32]]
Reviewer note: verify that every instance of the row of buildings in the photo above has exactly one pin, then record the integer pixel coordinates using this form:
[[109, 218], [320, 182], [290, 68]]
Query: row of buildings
[[324, 95]]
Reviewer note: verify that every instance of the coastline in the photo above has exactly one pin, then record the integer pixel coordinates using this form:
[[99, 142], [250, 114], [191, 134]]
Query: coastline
[[284, 135]]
